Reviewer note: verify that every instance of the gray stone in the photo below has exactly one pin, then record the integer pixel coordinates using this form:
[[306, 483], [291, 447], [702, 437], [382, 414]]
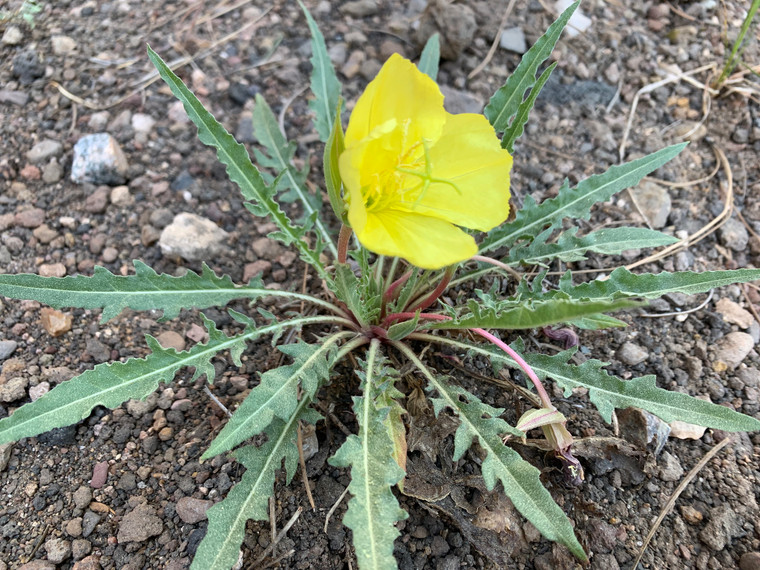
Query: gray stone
[[52, 172], [654, 203], [192, 237], [5, 455], [139, 525], [13, 389], [58, 550], [98, 159], [89, 521], [513, 39], [99, 351], [82, 497], [632, 354], [724, 524], [27, 66], [7, 347], [732, 349], [192, 510], [44, 151], [670, 467], [455, 22], [734, 235], [360, 8], [457, 101], [19, 98], [750, 561], [81, 548], [139, 408]]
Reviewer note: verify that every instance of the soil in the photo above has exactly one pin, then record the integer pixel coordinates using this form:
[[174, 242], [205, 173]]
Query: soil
[[55, 512]]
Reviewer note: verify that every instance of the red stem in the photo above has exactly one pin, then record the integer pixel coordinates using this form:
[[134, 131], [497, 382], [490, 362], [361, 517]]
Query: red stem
[[406, 316], [433, 297], [343, 238], [390, 292]]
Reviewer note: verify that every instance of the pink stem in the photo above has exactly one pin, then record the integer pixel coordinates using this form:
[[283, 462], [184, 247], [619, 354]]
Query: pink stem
[[547, 403]]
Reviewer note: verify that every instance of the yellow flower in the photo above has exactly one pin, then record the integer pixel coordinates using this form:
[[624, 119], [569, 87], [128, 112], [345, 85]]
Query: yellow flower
[[413, 172]]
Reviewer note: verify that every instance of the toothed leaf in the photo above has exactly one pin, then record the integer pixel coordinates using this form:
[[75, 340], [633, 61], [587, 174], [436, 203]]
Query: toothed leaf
[[144, 291], [373, 510], [279, 156], [324, 82], [276, 396], [110, 385], [249, 499], [521, 481], [569, 247], [576, 202], [505, 103], [240, 169]]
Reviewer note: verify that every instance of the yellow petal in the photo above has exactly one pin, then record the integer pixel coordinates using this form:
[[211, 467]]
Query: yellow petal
[[469, 157], [401, 92], [425, 242]]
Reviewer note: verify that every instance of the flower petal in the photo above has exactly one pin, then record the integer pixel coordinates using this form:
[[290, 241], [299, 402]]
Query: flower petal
[[469, 157], [399, 91], [425, 242]]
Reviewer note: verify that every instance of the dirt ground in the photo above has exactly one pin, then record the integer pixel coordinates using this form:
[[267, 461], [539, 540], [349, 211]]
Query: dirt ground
[[83, 69]]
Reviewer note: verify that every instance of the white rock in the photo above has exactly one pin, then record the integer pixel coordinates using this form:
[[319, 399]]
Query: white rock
[[733, 313], [682, 430], [98, 159], [732, 349], [578, 23], [513, 39], [62, 45], [192, 237], [12, 36], [142, 123]]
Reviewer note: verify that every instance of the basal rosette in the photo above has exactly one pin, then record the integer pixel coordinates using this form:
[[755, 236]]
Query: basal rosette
[[415, 174]]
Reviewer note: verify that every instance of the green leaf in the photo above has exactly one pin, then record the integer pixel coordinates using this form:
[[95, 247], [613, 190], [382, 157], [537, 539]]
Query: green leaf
[[144, 291], [333, 149], [355, 293], [324, 83], [608, 392], [505, 103], [622, 282], [575, 203], [276, 396], [240, 169], [249, 499], [515, 130], [430, 56], [403, 329], [596, 322], [280, 154], [521, 481], [487, 313], [110, 385], [373, 510], [569, 247]]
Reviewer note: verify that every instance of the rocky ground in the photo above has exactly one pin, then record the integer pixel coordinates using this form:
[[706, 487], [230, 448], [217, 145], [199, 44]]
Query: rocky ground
[[125, 488]]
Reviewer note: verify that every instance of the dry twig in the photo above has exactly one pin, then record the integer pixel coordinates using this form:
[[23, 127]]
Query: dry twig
[[680, 489]]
